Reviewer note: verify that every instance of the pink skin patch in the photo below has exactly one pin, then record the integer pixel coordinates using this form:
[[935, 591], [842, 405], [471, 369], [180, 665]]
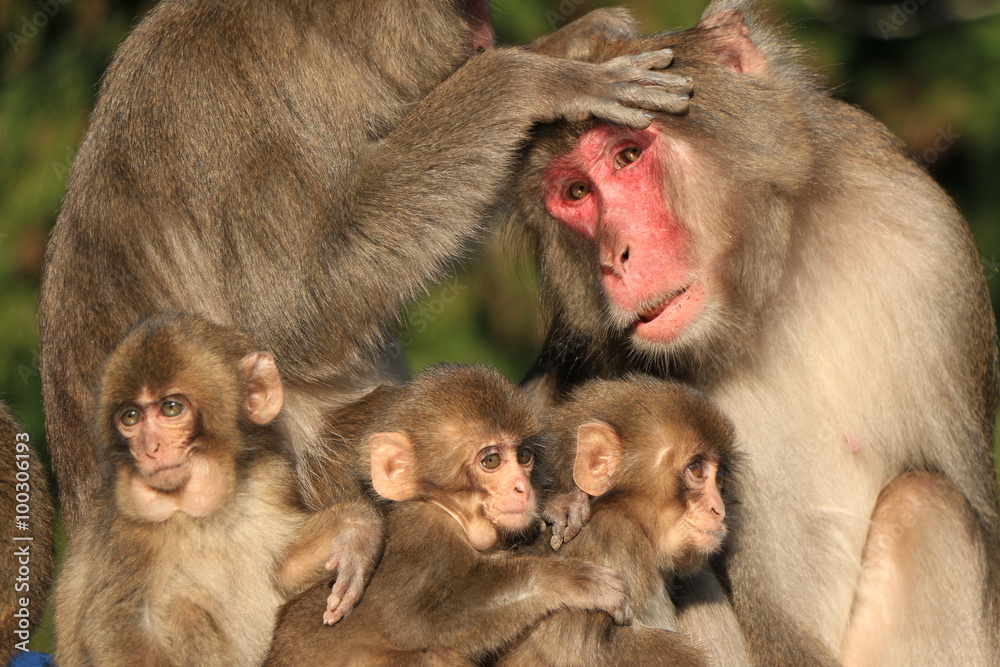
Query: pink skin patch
[[610, 189]]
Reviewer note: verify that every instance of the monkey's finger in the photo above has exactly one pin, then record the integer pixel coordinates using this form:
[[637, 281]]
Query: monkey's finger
[[650, 99], [672, 83], [558, 531], [613, 112], [649, 60], [623, 616], [574, 524]]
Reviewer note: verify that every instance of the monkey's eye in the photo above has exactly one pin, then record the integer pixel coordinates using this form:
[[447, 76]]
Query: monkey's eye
[[130, 417], [696, 469], [627, 156], [524, 456], [490, 461], [720, 477], [171, 408], [578, 190]]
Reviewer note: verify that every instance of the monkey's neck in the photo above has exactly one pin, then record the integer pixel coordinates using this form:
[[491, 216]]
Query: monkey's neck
[[608, 536], [205, 491]]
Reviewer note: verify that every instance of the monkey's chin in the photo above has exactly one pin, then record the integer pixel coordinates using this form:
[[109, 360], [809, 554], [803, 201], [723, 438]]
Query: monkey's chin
[[667, 321], [514, 523]]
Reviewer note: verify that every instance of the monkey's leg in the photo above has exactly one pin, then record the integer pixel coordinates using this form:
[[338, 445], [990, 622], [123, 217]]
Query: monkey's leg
[[705, 614], [919, 599]]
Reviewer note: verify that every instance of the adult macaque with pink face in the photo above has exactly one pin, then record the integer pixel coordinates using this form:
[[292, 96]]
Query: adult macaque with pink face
[[781, 251]]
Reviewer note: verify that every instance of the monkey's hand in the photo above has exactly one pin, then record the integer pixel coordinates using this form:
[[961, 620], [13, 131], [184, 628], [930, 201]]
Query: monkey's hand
[[599, 588], [353, 554], [567, 513], [624, 90]]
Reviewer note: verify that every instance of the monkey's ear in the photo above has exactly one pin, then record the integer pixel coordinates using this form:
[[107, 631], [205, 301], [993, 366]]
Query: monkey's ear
[[265, 395], [393, 468], [727, 34], [598, 451]]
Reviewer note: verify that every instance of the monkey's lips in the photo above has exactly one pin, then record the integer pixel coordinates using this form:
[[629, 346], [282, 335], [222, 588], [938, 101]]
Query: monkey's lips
[[168, 478], [668, 319]]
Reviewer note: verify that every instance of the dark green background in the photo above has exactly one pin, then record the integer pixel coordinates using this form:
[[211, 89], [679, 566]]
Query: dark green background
[[937, 75]]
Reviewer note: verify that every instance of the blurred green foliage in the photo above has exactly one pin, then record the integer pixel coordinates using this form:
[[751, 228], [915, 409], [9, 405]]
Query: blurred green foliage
[[937, 76]]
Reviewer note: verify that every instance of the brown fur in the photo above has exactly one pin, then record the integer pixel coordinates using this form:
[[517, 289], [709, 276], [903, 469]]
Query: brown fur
[[298, 170], [26, 556], [854, 342], [648, 416], [436, 599], [194, 590]]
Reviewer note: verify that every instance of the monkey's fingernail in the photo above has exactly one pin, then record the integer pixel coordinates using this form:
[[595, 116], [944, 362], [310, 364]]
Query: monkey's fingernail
[[688, 79], [649, 115], [556, 542], [685, 97], [332, 602]]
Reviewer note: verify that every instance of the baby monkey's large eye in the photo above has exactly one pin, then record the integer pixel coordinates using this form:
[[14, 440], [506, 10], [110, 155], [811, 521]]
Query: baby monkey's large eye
[[524, 456], [130, 417], [578, 190], [627, 156], [171, 408], [696, 469], [490, 461]]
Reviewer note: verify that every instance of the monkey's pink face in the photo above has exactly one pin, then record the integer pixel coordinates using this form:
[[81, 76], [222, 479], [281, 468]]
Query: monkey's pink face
[[504, 473], [160, 434], [611, 189]]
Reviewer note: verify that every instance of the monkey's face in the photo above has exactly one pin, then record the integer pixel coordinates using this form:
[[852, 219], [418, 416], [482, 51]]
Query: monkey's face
[[693, 525], [503, 476], [160, 431], [616, 188]]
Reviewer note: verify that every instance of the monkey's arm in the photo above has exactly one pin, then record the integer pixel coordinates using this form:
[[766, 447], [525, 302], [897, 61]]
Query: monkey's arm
[[346, 537], [446, 593], [423, 191]]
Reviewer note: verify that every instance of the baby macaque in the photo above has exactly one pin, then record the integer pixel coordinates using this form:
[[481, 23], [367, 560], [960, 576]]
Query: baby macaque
[[455, 449], [653, 455], [199, 534]]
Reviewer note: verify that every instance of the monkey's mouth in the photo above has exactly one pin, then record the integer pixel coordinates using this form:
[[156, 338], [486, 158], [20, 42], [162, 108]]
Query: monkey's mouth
[[654, 312], [670, 316], [168, 479]]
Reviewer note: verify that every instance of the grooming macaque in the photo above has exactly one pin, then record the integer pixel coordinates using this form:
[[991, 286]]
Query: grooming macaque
[[297, 172], [653, 455], [197, 535], [454, 449], [781, 251], [26, 547]]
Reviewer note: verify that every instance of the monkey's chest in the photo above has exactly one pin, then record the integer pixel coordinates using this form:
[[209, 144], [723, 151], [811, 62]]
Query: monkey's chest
[[218, 590]]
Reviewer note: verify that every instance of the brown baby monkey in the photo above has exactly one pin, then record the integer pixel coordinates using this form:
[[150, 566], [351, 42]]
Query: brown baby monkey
[[455, 449], [199, 535], [653, 455]]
